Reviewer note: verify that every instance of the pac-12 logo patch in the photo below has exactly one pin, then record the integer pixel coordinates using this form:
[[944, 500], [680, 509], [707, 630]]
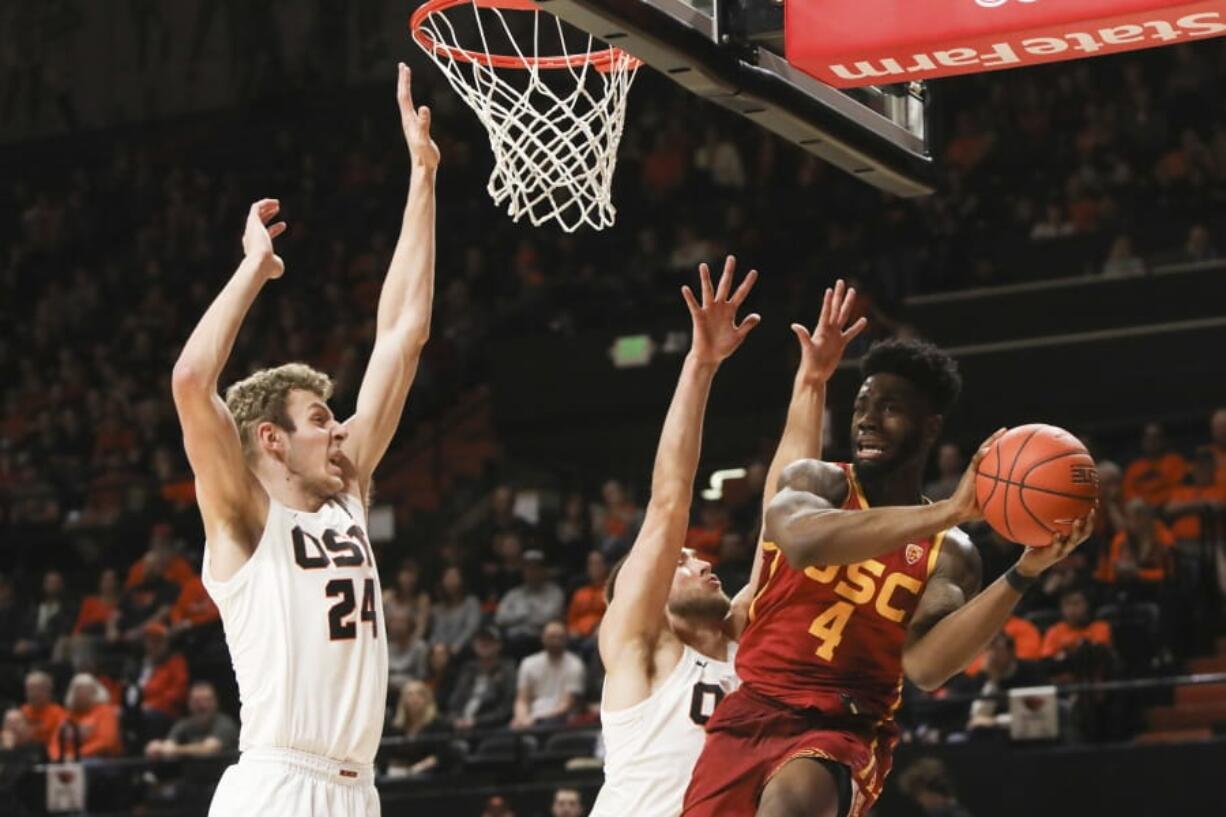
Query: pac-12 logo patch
[[914, 553]]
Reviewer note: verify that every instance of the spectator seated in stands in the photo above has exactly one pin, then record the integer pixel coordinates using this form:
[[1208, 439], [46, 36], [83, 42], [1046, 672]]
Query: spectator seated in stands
[[1026, 643], [567, 802], [46, 622], [455, 614], [1003, 670], [502, 568], [10, 617], [1077, 646], [572, 533], [1154, 474], [204, 731], [90, 726], [149, 601], [1200, 499], [1122, 260], [950, 465], [417, 717], [550, 682], [42, 713], [440, 672], [162, 680], [484, 696], [615, 522], [587, 603], [406, 594], [526, 609], [406, 650], [1137, 561], [928, 784], [174, 566], [99, 612], [193, 610]]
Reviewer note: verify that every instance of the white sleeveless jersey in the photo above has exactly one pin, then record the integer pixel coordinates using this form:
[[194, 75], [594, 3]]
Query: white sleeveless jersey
[[651, 747], [304, 624]]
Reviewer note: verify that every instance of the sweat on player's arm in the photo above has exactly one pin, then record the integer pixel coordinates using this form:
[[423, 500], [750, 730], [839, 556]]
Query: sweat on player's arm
[[403, 318]]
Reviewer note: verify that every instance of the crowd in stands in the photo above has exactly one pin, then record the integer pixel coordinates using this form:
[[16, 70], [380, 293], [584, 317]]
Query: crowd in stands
[[485, 634], [109, 644]]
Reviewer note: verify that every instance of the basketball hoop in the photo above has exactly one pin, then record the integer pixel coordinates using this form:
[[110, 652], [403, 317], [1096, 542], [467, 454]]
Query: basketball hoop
[[554, 120]]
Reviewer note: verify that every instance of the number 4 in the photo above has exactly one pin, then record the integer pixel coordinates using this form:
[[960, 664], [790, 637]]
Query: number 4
[[338, 628], [828, 628]]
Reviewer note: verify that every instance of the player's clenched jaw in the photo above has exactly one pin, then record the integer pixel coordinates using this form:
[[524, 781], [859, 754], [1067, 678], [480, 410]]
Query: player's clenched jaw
[[311, 450], [696, 593], [891, 425]]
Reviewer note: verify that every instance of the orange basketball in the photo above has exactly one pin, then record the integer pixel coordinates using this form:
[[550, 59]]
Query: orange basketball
[[1035, 482]]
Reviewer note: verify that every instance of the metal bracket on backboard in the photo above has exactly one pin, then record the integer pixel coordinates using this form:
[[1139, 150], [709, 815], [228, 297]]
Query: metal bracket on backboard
[[879, 136]]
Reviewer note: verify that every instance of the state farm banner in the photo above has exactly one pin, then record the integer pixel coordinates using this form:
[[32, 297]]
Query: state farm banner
[[846, 43]]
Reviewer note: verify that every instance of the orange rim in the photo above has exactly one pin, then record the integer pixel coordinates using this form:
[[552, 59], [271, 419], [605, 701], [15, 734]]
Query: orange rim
[[604, 60]]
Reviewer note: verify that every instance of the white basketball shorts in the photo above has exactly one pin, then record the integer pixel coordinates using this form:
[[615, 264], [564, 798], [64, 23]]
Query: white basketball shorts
[[287, 783]]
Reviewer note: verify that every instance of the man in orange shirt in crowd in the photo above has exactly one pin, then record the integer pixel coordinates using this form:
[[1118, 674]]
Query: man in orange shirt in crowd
[[1075, 627], [1025, 640], [587, 604], [194, 608], [161, 541], [1197, 500], [42, 713], [90, 727], [163, 683], [98, 610], [704, 536], [1140, 553], [1156, 472]]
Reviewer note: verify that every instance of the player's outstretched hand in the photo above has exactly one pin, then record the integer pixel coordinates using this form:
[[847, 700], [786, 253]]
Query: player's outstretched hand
[[1035, 560], [963, 504], [822, 349], [416, 123], [258, 235], [716, 332]]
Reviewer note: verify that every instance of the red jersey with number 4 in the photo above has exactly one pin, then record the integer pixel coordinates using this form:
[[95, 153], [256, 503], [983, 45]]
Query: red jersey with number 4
[[831, 638]]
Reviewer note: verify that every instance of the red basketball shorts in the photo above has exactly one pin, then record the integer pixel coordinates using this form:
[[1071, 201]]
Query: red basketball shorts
[[750, 737]]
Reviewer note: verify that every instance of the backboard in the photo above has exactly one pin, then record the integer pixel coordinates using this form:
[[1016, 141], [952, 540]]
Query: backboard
[[731, 52]]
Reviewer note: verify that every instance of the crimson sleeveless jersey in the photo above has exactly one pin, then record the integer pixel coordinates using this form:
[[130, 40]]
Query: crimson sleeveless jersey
[[831, 638]]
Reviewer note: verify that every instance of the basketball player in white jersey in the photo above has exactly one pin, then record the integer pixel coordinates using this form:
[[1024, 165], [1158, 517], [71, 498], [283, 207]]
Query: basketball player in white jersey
[[668, 639], [283, 490]]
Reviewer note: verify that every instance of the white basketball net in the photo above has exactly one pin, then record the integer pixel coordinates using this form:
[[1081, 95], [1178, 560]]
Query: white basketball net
[[554, 151]]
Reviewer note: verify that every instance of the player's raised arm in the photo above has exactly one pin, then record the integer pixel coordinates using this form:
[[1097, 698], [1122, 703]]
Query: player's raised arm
[[636, 614], [806, 522], [228, 494], [403, 322], [820, 353]]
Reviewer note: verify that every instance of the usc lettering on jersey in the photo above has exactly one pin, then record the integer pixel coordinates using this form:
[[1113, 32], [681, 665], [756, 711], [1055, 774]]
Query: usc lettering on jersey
[[831, 638]]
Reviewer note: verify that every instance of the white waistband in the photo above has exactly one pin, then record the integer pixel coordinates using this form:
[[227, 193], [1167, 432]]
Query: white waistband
[[325, 768]]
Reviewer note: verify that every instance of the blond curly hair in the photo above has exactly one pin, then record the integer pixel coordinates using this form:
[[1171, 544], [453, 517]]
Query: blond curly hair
[[262, 397]]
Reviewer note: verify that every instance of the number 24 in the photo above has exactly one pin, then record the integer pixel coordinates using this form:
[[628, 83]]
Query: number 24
[[338, 628]]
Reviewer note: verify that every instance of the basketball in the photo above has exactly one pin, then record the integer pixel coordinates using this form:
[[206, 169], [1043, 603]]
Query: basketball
[[1034, 482]]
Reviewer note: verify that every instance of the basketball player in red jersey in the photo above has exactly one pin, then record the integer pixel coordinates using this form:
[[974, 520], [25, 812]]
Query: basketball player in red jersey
[[861, 583]]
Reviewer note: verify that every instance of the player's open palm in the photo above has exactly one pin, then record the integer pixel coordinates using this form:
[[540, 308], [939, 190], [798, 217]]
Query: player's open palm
[[416, 123], [822, 349], [716, 332], [258, 235]]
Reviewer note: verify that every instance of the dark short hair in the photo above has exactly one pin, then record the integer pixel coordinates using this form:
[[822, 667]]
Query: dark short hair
[[1076, 590], [933, 372]]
